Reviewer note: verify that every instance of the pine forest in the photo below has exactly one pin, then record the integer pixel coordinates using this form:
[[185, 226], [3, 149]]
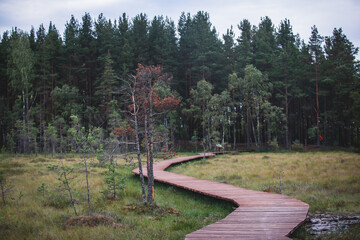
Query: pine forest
[[176, 86]]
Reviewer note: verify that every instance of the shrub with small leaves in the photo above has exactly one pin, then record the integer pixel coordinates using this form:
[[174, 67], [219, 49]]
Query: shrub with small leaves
[[5, 187], [64, 178], [273, 144], [42, 189], [114, 182], [52, 167], [297, 146]]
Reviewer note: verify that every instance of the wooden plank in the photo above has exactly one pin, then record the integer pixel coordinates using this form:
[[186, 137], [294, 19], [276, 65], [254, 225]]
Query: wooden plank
[[260, 215]]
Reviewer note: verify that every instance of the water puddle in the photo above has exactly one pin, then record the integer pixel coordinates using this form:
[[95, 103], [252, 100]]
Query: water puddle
[[318, 224]]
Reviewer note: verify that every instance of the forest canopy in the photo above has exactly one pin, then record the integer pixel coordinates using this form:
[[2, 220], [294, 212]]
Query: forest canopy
[[264, 87]]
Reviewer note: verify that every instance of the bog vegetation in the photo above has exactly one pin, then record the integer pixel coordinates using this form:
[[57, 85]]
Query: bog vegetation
[[328, 181], [36, 203]]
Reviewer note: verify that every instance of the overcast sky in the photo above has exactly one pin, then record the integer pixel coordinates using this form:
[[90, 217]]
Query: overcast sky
[[325, 14]]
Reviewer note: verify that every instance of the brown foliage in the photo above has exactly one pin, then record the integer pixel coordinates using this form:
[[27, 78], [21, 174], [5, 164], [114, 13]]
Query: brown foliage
[[165, 104], [127, 130]]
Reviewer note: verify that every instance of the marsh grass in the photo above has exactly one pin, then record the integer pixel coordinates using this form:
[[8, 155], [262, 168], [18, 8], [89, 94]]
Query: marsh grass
[[328, 181], [43, 215]]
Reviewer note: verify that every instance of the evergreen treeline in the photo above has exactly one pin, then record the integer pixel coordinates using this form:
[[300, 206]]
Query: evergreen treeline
[[265, 86]]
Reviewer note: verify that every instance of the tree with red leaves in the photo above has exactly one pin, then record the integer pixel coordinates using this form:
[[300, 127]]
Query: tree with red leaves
[[146, 104]]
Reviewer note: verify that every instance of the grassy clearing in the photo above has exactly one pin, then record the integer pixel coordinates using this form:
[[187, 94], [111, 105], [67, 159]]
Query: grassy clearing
[[31, 215], [328, 181]]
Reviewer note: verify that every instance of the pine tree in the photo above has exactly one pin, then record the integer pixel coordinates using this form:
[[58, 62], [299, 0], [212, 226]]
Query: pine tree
[[108, 85], [148, 101], [6, 96], [315, 42], [200, 51], [186, 44], [229, 49], [244, 48], [140, 40], [340, 77], [171, 63], [105, 41], [123, 54], [87, 60], [285, 69], [264, 46], [72, 52], [157, 41], [66, 101], [20, 71]]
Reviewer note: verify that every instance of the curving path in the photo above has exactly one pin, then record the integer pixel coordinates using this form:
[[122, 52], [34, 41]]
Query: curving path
[[260, 215]]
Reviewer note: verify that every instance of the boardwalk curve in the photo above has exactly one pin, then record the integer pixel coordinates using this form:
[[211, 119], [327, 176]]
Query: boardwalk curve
[[259, 215]]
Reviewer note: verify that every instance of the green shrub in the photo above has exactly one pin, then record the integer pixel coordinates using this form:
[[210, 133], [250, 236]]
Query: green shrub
[[273, 144], [297, 146], [57, 200]]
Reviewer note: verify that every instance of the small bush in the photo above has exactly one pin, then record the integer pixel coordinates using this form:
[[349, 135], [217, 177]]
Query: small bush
[[57, 200], [114, 181], [297, 146], [273, 144]]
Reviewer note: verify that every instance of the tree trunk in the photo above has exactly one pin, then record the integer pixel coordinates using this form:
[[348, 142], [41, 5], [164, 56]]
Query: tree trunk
[[247, 128], [87, 179], [325, 124], [268, 130], [287, 119], [317, 107], [223, 135], [258, 125], [150, 147], [254, 133], [126, 145], [114, 183], [234, 136], [24, 120], [141, 174], [69, 189], [53, 147], [61, 139]]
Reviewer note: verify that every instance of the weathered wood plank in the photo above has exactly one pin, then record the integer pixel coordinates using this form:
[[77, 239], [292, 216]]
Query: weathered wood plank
[[260, 215]]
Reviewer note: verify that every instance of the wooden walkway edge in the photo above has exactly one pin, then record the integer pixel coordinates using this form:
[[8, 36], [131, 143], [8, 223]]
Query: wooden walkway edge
[[260, 215]]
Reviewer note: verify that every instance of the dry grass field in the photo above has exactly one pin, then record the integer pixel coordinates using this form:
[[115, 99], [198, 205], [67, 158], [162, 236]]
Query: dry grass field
[[328, 181]]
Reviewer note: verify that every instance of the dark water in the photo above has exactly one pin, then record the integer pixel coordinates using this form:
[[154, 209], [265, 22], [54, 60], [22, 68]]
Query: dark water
[[318, 224]]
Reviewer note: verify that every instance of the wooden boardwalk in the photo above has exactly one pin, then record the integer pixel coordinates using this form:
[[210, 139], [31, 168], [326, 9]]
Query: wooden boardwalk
[[260, 215]]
